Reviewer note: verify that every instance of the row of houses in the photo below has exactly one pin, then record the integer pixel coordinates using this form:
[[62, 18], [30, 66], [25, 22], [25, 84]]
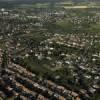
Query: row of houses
[[17, 82]]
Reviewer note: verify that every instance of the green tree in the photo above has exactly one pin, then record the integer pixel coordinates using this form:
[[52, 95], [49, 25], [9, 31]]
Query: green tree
[[5, 59]]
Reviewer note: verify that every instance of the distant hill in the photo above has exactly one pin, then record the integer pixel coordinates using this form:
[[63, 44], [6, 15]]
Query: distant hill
[[10, 3], [26, 1], [30, 1]]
